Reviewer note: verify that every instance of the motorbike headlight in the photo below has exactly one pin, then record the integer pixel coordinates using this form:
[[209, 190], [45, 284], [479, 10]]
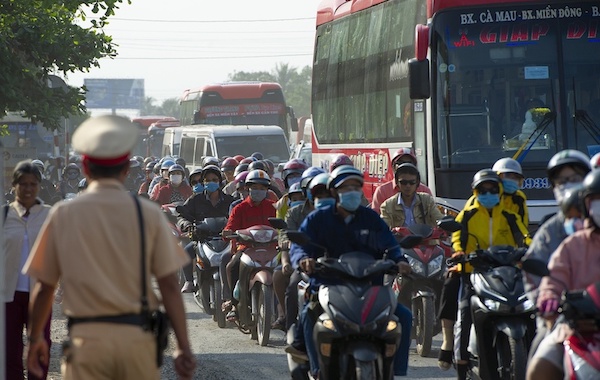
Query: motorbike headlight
[[391, 326], [416, 265], [328, 324], [492, 305], [525, 305], [435, 265]]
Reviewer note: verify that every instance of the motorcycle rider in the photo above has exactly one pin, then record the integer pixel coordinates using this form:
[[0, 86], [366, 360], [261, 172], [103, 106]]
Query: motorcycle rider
[[70, 182], [47, 189], [163, 178], [135, 177], [149, 176], [256, 209], [566, 170], [574, 265], [409, 206], [485, 223], [206, 203], [228, 167], [344, 227], [231, 187], [511, 175], [292, 173], [176, 190], [388, 189]]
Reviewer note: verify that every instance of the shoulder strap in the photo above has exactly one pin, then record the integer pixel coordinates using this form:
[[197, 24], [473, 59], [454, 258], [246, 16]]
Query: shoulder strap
[[422, 207], [144, 297]]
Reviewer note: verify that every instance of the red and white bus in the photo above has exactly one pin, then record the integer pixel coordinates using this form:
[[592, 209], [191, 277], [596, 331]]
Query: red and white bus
[[238, 103], [147, 141], [454, 79]]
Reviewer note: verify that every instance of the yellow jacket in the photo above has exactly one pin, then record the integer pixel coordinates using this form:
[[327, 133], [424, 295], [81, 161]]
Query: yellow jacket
[[481, 230], [516, 203]]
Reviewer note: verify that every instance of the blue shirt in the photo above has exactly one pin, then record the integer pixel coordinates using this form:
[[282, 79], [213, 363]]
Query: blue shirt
[[409, 215], [366, 232]]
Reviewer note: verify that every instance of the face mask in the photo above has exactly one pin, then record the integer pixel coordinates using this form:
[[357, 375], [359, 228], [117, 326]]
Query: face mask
[[211, 187], [510, 186], [350, 200], [176, 179], [595, 212], [321, 203], [292, 181], [488, 200], [560, 191], [257, 195], [296, 203], [309, 197], [573, 225], [198, 188]]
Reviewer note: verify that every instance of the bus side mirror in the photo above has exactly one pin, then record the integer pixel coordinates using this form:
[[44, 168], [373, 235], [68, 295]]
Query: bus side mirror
[[293, 120], [418, 79]]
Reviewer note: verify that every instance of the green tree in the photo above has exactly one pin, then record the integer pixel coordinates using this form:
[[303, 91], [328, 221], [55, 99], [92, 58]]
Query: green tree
[[39, 38], [169, 107], [295, 84]]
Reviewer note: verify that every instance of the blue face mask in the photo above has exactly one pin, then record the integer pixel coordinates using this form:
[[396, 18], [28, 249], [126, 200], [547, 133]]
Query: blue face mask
[[488, 200], [321, 203], [198, 188], [211, 187], [510, 186], [573, 225], [350, 200], [296, 203], [293, 180]]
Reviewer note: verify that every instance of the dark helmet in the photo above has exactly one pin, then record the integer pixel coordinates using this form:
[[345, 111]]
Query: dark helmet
[[484, 175], [569, 157], [156, 168], [133, 163], [257, 165], [210, 161], [180, 161], [295, 189], [409, 169], [340, 160], [229, 164], [39, 164], [572, 198], [212, 169], [257, 155], [150, 166], [307, 176], [195, 172], [590, 186], [240, 168], [343, 173], [176, 168]]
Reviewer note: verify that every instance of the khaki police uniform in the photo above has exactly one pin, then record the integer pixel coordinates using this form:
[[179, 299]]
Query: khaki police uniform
[[92, 244]]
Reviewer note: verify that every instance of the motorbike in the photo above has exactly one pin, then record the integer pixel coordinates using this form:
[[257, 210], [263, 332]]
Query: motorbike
[[357, 333], [210, 249], [420, 291], [503, 317], [171, 212], [580, 310], [254, 289]]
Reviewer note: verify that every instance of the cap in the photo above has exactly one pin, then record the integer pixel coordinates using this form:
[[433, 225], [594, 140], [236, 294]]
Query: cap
[[106, 140]]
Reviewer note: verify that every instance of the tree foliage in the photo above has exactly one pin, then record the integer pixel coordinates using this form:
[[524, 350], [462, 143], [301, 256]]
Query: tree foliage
[[295, 83], [39, 38], [169, 107]]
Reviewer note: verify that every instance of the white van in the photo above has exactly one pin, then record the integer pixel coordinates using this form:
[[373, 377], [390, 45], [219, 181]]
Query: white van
[[171, 141], [199, 141]]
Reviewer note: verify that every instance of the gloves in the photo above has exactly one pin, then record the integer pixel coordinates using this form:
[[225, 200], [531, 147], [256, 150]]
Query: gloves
[[549, 307]]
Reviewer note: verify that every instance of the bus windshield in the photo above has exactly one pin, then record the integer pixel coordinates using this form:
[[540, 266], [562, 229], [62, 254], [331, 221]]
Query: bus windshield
[[514, 79]]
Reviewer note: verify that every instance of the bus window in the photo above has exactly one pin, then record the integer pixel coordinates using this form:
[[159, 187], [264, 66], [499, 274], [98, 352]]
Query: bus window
[[187, 148]]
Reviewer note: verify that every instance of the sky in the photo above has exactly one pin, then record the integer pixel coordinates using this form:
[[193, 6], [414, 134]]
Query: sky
[[184, 44]]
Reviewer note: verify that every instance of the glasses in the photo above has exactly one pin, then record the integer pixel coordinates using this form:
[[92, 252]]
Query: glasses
[[194, 182], [405, 182], [563, 180], [488, 190]]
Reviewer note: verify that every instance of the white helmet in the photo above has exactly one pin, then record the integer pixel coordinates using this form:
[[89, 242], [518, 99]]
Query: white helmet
[[507, 165], [258, 176]]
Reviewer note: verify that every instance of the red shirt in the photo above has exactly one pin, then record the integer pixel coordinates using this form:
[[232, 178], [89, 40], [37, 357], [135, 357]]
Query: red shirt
[[246, 214], [388, 190]]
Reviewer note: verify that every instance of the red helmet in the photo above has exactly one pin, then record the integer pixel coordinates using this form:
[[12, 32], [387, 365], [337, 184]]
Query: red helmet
[[295, 165], [404, 152], [238, 158], [339, 160], [248, 160], [229, 164]]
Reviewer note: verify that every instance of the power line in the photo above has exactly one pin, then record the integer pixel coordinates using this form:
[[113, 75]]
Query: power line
[[213, 21]]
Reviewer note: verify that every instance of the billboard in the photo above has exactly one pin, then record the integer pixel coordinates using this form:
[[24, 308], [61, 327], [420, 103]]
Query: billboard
[[114, 93]]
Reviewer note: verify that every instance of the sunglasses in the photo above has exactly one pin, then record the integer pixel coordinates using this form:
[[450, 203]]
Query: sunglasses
[[405, 182], [563, 180], [488, 190], [194, 183]]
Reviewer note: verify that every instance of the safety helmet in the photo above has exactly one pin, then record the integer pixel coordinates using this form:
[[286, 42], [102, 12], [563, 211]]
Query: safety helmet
[[295, 189], [195, 172], [210, 161], [72, 167], [407, 168], [176, 168], [295, 165], [595, 161], [156, 168], [166, 158], [258, 155], [82, 185], [404, 152], [507, 165], [166, 164], [150, 166], [133, 163], [257, 165], [259, 177], [139, 159], [590, 186], [39, 164], [572, 198], [569, 157], [320, 180], [180, 161], [238, 158], [343, 173], [74, 159], [241, 178], [484, 175], [270, 165], [307, 176], [211, 169], [248, 160], [229, 164], [240, 168], [339, 160]]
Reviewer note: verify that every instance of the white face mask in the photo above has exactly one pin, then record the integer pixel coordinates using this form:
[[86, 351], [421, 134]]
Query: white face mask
[[176, 179], [560, 191], [595, 211]]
